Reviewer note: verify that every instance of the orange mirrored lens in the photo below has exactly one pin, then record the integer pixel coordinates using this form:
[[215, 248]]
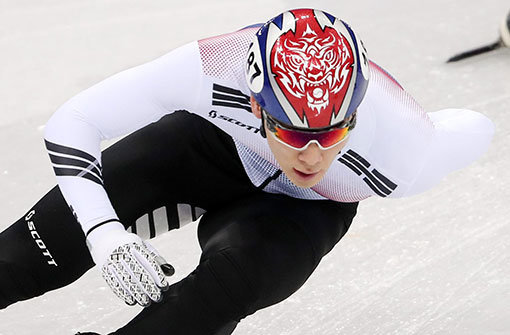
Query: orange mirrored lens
[[298, 139]]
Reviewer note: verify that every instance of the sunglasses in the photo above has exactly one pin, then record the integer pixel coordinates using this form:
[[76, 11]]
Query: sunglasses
[[299, 139]]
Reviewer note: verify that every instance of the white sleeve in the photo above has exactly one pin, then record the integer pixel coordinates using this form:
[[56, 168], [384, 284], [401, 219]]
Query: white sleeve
[[461, 136], [114, 107]]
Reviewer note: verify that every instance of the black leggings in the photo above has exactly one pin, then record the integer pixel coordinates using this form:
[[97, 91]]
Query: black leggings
[[257, 248]]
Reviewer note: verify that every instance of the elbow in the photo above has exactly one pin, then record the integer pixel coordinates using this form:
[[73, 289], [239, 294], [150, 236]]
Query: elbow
[[64, 122], [57, 121], [465, 132], [50, 126]]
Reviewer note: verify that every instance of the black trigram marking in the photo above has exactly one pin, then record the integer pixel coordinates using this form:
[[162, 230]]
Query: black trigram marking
[[381, 185], [270, 179], [229, 97], [73, 162]]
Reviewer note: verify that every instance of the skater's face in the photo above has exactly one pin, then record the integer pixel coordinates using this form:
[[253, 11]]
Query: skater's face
[[305, 168]]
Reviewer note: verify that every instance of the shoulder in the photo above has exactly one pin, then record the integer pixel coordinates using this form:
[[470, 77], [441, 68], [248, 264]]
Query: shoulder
[[391, 106], [390, 113], [388, 92], [223, 56]]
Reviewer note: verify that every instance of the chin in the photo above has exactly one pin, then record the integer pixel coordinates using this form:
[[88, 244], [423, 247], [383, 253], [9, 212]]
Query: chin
[[305, 185]]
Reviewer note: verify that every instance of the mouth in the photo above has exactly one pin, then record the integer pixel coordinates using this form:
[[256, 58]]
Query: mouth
[[305, 175]]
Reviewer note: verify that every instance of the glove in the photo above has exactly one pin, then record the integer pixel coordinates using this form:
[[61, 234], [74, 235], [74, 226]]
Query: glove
[[132, 268]]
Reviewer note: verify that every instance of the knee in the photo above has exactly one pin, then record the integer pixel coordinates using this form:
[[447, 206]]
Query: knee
[[261, 272]]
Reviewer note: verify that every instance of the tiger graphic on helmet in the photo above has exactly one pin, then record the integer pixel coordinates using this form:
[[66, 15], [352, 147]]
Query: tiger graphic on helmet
[[314, 64], [315, 70]]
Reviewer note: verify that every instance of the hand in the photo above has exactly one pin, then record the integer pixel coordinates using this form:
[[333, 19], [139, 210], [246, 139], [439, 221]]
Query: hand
[[132, 268]]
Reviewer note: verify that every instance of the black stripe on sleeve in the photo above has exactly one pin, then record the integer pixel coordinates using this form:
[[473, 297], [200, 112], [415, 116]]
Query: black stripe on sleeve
[[93, 178], [70, 151], [75, 163], [231, 104], [228, 90], [77, 173], [241, 100]]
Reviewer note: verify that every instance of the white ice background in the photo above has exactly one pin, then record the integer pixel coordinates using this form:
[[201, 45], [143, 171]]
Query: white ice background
[[437, 263]]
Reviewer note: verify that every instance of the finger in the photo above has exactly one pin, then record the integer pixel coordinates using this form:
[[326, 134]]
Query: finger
[[116, 285], [122, 262], [118, 275], [140, 282], [167, 268], [148, 258], [133, 279], [146, 282]]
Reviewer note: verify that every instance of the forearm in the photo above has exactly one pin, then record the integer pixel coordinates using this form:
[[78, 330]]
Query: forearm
[[74, 149]]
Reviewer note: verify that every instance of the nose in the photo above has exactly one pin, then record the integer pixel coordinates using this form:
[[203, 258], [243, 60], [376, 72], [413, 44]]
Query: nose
[[311, 156]]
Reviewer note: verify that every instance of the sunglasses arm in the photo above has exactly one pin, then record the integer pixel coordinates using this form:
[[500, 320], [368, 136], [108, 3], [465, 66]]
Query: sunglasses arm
[[262, 128]]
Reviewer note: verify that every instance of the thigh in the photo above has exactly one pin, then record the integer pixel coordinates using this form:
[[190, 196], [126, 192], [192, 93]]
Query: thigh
[[276, 240], [245, 221]]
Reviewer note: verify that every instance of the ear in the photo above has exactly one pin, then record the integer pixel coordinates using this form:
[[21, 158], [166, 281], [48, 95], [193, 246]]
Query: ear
[[255, 108]]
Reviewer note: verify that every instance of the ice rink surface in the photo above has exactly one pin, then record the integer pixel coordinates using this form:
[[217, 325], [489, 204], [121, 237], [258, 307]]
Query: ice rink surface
[[437, 263]]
